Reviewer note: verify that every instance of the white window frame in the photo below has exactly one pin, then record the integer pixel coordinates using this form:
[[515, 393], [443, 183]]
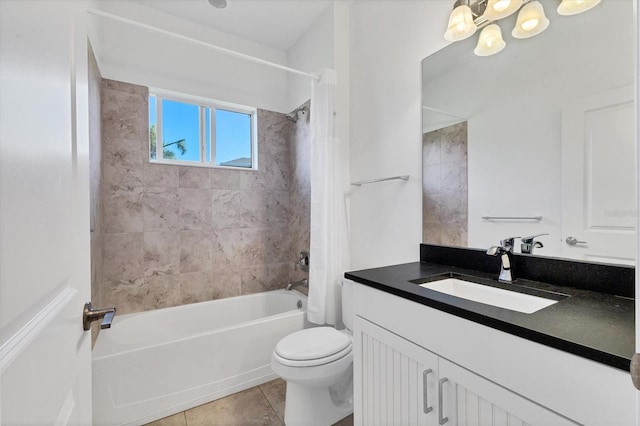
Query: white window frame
[[202, 104]]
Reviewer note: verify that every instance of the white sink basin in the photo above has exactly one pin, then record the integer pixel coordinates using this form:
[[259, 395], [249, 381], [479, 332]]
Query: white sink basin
[[490, 295]]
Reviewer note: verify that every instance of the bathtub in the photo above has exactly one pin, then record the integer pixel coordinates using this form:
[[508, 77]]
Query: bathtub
[[152, 364]]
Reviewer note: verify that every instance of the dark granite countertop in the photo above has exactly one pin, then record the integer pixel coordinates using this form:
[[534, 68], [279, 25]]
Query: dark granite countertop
[[589, 324]]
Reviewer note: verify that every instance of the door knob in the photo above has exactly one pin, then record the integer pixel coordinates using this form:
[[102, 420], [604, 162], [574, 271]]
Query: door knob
[[572, 241], [90, 315]]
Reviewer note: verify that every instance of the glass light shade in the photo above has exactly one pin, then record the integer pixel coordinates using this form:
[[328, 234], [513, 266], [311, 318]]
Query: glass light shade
[[531, 21], [573, 7], [461, 24], [498, 9], [490, 41]]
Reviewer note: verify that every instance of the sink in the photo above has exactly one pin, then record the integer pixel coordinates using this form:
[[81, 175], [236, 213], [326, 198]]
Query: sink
[[488, 295]]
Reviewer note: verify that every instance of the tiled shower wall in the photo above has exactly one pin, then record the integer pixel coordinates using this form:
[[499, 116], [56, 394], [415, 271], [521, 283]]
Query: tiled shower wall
[[444, 186], [175, 235]]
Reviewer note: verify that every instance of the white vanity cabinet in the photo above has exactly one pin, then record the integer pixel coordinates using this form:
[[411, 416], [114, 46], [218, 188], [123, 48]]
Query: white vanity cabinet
[[403, 350], [398, 379], [401, 383]]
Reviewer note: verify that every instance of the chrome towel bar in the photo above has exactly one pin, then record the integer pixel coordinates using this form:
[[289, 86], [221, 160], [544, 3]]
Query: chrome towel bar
[[365, 182], [538, 218]]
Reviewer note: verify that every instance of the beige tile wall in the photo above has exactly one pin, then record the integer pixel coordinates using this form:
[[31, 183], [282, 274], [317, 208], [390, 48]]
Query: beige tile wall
[[175, 235], [444, 186]]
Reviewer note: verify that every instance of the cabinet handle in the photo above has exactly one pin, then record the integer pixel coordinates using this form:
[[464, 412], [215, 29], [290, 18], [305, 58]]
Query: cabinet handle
[[441, 420], [425, 386]]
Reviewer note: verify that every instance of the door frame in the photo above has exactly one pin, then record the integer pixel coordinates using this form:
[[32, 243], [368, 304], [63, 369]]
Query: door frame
[[636, 27]]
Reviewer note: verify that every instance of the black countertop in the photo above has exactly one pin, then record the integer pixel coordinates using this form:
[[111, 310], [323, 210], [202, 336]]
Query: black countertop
[[589, 324]]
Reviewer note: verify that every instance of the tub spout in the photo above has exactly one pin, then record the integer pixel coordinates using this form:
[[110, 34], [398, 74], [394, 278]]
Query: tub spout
[[303, 282]]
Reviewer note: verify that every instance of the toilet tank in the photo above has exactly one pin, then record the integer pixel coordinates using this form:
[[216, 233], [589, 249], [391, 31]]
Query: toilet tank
[[347, 303]]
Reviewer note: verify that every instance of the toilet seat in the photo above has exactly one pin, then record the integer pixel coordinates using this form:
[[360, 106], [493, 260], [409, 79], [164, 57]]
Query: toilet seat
[[311, 347]]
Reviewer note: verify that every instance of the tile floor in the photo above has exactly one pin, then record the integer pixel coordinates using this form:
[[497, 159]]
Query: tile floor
[[260, 405]]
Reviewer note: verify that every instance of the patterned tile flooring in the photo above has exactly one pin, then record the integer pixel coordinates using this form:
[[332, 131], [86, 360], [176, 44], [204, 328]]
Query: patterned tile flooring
[[260, 405]]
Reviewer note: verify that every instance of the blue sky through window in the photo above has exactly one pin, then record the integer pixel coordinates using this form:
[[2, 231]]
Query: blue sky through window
[[233, 136], [181, 121]]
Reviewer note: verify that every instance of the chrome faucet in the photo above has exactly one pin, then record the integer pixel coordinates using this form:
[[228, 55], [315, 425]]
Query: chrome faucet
[[303, 264], [529, 243], [505, 251], [303, 282]]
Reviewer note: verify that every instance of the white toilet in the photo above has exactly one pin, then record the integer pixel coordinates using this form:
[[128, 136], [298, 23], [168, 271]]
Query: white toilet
[[317, 364]]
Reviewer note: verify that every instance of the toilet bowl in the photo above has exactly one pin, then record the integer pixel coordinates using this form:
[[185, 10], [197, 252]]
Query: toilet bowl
[[317, 364]]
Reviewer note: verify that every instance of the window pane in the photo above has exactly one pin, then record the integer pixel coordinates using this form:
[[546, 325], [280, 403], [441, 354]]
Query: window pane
[[180, 131], [233, 138], [207, 134], [153, 122]]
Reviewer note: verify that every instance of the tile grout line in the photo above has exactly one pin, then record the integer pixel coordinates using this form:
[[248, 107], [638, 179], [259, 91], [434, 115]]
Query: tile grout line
[[270, 405]]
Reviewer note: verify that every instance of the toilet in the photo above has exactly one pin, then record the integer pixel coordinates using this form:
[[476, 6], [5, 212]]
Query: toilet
[[317, 364]]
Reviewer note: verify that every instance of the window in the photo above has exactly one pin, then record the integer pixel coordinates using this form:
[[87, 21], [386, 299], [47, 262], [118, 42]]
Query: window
[[200, 132]]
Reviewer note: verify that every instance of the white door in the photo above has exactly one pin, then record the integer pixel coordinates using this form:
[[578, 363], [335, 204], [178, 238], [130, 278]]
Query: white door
[[637, 145], [598, 178], [45, 375]]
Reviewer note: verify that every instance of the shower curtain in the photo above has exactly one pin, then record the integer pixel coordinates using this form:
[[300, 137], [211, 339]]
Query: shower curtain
[[328, 253]]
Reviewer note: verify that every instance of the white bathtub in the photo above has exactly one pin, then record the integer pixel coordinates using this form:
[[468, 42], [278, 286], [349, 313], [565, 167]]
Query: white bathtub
[[152, 364]]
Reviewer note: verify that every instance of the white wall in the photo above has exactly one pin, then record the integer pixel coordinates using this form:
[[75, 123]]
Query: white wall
[[342, 66], [389, 39], [134, 55], [311, 53]]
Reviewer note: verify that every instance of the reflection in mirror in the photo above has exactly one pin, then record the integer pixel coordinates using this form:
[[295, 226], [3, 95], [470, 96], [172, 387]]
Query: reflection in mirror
[[444, 201], [538, 138]]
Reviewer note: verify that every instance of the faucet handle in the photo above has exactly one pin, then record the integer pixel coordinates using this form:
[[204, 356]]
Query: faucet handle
[[529, 240], [508, 243], [303, 261]]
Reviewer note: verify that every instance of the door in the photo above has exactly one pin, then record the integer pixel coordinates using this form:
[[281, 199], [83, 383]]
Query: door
[[395, 381], [45, 375], [598, 178]]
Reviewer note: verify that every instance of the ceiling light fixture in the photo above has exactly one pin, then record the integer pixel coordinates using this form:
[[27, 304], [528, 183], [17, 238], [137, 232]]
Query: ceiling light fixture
[[470, 15], [498, 9], [218, 4], [531, 21], [573, 7], [461, 24], [490, 41]]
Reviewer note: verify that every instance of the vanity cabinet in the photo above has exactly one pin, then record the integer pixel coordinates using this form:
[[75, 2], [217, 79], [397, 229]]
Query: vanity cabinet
[[403, 349], [403, 383]]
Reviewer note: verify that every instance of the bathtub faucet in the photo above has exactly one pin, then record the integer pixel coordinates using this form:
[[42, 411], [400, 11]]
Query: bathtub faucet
[[303, 282]]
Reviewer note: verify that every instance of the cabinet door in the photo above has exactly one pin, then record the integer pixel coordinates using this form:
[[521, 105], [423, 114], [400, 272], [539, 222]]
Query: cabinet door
[[395, 381], [469, 399]]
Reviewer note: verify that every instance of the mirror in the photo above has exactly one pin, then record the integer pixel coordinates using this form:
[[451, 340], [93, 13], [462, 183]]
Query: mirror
[[537, 139]]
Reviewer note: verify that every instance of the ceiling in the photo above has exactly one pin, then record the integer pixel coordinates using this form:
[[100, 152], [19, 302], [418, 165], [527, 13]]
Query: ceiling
[[275, 23]]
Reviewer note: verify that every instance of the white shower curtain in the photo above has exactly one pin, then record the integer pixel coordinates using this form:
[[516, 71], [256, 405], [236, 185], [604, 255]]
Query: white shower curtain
[[328, 255]]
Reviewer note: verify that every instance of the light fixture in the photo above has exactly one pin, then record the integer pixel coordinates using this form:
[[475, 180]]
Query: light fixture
[[490, 41], [573, 7], [218, 4], [531, 21], [470, 15], [461, 24], [498, 9]]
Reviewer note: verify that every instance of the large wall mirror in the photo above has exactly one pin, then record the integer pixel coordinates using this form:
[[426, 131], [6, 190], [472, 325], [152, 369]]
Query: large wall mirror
[[537, 139]]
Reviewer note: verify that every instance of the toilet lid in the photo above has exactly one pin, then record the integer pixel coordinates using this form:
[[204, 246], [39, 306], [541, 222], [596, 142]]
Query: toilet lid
[[312, 343]]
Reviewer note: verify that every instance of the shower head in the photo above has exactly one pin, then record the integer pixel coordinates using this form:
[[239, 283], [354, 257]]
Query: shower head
[[293, 116]]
